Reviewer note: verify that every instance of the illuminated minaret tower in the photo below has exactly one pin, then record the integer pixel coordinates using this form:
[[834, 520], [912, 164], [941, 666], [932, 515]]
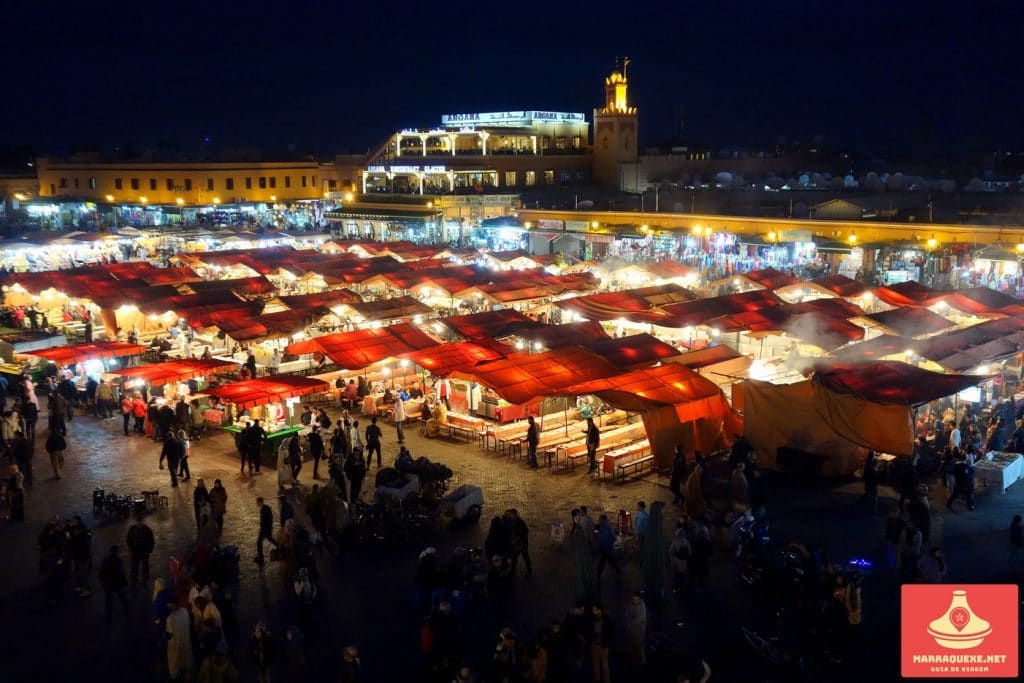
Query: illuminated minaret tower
[[615, 129]]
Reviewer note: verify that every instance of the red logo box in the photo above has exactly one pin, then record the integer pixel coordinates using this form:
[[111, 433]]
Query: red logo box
[[959, 631]]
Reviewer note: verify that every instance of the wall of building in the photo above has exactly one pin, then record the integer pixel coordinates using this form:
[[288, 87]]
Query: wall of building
[[647, 169], [191, 182]]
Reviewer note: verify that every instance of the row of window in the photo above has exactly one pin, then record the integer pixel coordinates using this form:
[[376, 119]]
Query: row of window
[[186, 184], [530, 177]]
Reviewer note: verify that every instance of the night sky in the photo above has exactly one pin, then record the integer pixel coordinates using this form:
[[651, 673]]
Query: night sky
[[337, 76]]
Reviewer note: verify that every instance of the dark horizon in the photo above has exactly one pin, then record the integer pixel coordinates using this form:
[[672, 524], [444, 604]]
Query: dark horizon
[[327, 79]]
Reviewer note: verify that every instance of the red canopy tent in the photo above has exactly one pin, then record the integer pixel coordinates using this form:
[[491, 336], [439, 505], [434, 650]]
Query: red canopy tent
[[770, 279], [489, 324], [390, 309], [523, 377], [638, 305], [911, 322], [878, 348], [443, 359], [325, 299], [571, 334], [913, 293], [632, 351], [263, 390], [176, 371], [891, 382], [357, 349], [703, 310], [840, 285], [710, 355], [245, 286], [79, 353]]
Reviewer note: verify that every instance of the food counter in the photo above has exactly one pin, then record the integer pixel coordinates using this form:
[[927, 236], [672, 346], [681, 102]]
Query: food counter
[[1001, 469]]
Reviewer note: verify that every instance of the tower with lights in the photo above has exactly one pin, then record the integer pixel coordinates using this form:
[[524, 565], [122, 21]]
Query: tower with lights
[[615, 129]]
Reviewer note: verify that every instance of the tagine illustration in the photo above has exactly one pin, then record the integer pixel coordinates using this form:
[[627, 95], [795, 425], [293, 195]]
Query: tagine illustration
[[959, 628]]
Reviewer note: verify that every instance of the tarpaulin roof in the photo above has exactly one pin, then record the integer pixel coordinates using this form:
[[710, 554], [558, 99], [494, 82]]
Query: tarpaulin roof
[[701, 311], [638, 305], [989, 298], [263, 390], [78, 353], [877, 348], [570, 334], [668, 269], [390, 309], [523, 377], [911, 322], [667, 384], [489, 324], [177, 370], [891, 382], [769, 278], [840, 285], [357, 349], [913, 293], [507, 256], [229, 315], [710, 355], [244, 286], [170, 276], [441, 360], [632, 351], [325, 299], [818, 328], [955, 341]]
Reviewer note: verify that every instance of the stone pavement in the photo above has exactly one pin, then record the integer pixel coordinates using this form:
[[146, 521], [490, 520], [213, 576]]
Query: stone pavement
[[367, 597]]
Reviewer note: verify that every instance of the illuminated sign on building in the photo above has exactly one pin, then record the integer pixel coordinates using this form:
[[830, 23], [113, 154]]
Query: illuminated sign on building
[[406, 169], [511, 118]]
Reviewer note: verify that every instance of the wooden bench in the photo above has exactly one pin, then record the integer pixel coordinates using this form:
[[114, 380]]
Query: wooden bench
[[638, 464], [626, 452], [462, 426]]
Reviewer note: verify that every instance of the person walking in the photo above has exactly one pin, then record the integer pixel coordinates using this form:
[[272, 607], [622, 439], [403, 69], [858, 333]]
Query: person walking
[[910, 552], [218, 504], [30, 414], [593, 443], [55, 445], [636, 630], [104, 401], [114, 582], [171, 452], [126, 412], [21, 451], [693, 492], [678, 475], [532, 441], [179, 641], [740, 488], [316, 450], [606, 547], [399, 419], [57, 409], [80, 545], [254, 445], [200, 500], [355, 440], [266, 528], [641, 519], [601, 640], [963, 473], [139, 412], [518, 541], [185, 447], [355, 470], [295, 456], [140, 542], [373, 436], [263, 651], [871, 481]]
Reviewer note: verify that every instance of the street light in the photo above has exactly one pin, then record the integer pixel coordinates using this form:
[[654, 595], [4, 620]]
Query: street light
[[143, 200], [595, 224], [932, 242], [179, 201], [216, 200], [109, 197], [273, 197], [852, 239]]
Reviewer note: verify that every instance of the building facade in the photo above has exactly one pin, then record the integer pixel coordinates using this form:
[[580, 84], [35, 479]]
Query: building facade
[[193, 183]]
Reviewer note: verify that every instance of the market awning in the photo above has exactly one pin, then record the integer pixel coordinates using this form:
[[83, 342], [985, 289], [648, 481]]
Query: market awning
[[176, 371], [246, 286], [891, 382], [877, 348], [570, 334], [701, 311], [390, 309], [442, 359], [79, 353], [911, 322], [641, 305], [633, 351], [710, 355], [522, 377], [357, 349], [769, 278], [489, 324], [667, 384], [263, 390], [840, 285]]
